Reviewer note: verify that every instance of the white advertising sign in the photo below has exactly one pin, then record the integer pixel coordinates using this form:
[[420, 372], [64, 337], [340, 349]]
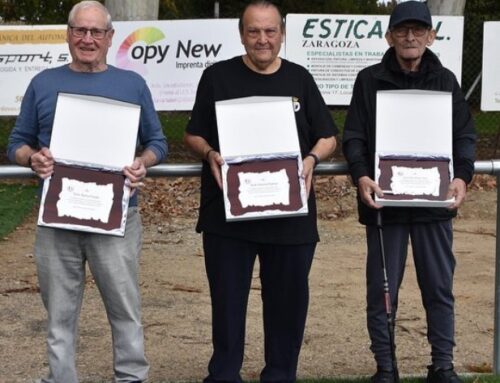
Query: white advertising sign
[[334, 48], [170, 55], [24, 52], [490, 91]]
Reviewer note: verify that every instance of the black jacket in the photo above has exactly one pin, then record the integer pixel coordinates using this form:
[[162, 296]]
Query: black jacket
[[359, 130]]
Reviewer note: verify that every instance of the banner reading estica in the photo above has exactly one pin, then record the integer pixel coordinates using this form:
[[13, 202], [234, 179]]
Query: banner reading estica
[[490, 89], [334, 48]]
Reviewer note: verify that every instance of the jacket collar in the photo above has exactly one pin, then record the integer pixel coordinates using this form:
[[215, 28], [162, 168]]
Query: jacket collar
[[389, 69]]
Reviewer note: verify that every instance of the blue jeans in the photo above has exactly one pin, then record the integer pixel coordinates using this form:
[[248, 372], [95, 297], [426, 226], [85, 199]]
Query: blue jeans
[[61, 256]]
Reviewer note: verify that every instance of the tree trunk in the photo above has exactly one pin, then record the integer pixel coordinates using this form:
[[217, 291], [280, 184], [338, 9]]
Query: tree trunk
[[447, 7], [129, 10]]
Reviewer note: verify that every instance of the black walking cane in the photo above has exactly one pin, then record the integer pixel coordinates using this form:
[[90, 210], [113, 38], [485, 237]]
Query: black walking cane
[[387, 297]]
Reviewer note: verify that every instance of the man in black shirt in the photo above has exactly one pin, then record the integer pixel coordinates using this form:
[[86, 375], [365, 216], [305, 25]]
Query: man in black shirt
[[285, 246]]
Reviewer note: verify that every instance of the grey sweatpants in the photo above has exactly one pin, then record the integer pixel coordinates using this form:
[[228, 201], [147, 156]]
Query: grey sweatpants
[[434, 263], [61, 256]]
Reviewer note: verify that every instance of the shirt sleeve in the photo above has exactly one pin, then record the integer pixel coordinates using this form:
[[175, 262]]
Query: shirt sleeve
[[203, 113], [25, 131], [354, 143], [150, 130]]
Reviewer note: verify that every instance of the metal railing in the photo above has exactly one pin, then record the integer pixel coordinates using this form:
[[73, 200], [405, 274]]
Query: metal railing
[[491, 167]]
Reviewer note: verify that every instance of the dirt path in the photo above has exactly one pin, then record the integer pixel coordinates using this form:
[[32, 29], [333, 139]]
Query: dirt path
[[176, 305]]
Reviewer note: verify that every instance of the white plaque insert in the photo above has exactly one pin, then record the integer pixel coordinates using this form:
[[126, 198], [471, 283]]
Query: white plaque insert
[[415, 181], [264, 189], [85, 200]]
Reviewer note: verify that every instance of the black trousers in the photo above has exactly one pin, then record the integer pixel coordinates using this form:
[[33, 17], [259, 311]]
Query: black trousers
[[284, 271], [434, 264]]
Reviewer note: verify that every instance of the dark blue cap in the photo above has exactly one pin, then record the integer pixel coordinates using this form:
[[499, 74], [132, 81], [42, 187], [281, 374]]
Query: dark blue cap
[[410, 11]]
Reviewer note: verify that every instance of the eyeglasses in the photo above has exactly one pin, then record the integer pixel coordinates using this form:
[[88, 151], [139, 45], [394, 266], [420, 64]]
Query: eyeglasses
[[403, 30], [96, 33]]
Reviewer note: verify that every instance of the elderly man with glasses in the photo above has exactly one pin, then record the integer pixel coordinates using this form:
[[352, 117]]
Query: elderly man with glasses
[[409, 64], [61, 255]]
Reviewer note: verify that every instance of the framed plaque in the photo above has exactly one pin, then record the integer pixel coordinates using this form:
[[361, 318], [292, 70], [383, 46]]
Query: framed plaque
[[413, 160], [85, 199], [260, 146], [416, 179], [263, 187], [87, 190]]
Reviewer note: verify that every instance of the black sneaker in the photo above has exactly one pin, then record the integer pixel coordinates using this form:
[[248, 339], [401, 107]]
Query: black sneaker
[[442, 375], [383, 376]]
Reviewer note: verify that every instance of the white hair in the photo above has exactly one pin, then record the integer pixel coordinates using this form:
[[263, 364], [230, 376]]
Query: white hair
[[88, 4]]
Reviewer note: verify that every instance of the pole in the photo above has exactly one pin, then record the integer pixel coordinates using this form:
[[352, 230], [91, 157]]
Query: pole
[[387, 298], [496, 332], [447, 7], [473, 86], [216, 10], [491, 167], [133, 10]]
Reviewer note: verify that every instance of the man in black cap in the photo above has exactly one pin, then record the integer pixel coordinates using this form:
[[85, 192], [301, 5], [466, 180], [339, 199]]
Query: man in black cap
[[409, 64]]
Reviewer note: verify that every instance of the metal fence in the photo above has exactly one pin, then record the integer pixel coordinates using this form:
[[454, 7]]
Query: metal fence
[[491, 167]]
